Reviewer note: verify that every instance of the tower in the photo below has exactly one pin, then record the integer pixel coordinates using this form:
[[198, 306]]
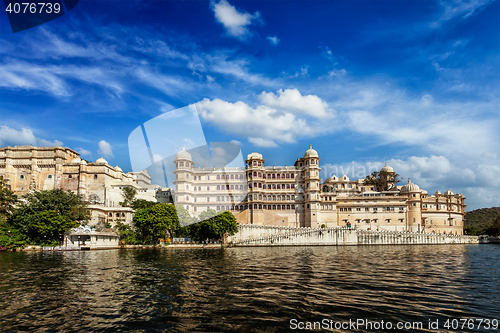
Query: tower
[[183, 179], [413, 191], [311, 185]]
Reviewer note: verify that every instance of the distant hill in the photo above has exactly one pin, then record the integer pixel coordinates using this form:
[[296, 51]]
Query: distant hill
[[479, 220]]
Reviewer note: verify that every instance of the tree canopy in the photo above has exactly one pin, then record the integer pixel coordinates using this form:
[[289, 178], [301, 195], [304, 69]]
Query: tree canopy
[[58, 209], [7, 199], [128, 194], [382, 181], [215, 227], [142, 203], [155, 222]]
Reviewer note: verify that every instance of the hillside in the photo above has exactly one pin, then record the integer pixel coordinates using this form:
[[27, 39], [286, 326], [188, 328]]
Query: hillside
[[480, 219]]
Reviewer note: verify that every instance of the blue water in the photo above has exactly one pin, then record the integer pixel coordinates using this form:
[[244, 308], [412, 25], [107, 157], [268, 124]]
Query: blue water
[[248, 289]]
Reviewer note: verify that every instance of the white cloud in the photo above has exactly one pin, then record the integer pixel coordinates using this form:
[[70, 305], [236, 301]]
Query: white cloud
[[235, 22], [105, 149], [84, 152], [273, 40], [157, 158], [427, 99], [12, 137], [337, 73], [462, 8], [291, 100], [280, 118], [260, 142], [236, 142]]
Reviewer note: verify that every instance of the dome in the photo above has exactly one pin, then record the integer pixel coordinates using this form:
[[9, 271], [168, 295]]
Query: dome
[[117, 168], [254, 156], [311, 152], [449, 193], [331, 179], [101, 161], [83, 162], [183, 154], [387, 168], [76, 160], [437, 193], [410, 187]]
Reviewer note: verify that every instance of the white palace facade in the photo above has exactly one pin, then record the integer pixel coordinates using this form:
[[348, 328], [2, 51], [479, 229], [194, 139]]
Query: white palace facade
[[295, 196]]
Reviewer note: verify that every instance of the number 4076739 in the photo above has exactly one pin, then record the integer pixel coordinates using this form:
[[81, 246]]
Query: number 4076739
[[33, 7]]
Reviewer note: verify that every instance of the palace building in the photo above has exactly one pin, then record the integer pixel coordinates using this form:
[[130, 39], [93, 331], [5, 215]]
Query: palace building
[[295, 196], [27, 168]]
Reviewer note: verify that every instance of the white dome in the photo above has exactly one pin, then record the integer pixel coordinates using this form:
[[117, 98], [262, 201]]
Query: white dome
[[387, 168], [410, 187], [311, 152], [117, 168], [449, 193], [83, 162], [437, 193], [101, 161], [254, 156], [183, 155], [76, 160]]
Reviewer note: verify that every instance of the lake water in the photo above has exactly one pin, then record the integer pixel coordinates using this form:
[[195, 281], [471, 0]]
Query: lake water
[[265, 289]]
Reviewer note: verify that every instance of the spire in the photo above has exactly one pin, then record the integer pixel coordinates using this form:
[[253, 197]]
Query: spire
[[310, 146], [385, 163], [409, 180], [183, 148]]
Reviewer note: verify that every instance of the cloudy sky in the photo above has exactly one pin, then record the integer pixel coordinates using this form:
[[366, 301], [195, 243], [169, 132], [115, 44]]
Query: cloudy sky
[[414, 83]]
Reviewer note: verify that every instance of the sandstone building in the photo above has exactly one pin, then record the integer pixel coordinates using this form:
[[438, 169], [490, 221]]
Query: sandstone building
[[296, 196], [26, 168]]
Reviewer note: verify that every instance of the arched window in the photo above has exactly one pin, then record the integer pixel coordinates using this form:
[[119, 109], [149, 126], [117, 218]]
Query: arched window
[[218, 187], [255, 174], [274, 207], [278, 176], [307, 162], [110, 214], [181, 164], [292, 175], [218, 177], [260, 174], [50, 176], [232, 176], [68, 176], [278, 186], [269, 198]]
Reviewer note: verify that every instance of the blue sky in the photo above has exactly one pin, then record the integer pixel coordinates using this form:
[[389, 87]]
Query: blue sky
[[414, 83]]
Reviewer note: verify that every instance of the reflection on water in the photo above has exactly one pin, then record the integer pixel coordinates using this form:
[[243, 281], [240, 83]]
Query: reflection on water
[[245, 289]]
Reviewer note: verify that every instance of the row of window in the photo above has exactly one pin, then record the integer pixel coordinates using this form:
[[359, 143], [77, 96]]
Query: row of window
[[272, 198], [272, 175], [368, 209], [372, 221], [273, 186]]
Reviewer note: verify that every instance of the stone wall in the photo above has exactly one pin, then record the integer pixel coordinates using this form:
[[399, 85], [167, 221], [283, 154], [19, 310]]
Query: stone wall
[[254, 235]]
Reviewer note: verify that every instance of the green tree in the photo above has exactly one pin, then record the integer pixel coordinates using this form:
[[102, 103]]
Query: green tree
[[128, 194], [215, 228], [49, 227], [183, 216], [142, 203], [156, 222], [494, 229], [10, 237], [382, 181], [29, 213], [7, 199]]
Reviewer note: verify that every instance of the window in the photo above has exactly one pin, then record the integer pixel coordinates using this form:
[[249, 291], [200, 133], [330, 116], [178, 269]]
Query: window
[[207, 177], [218, 187], [307, 205], [208, 188], [68, 176], [293, 176], [208, 199], [95, 176], [50, 176], [414, 195], [218, 177], [181, 164]]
